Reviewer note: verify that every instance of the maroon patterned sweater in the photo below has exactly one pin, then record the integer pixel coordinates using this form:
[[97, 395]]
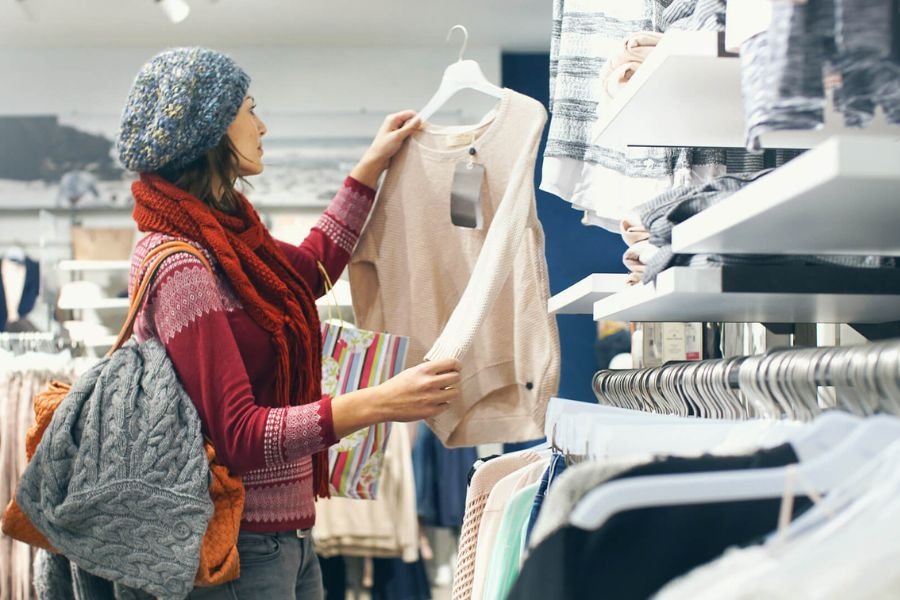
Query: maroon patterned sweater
[[226, 364]]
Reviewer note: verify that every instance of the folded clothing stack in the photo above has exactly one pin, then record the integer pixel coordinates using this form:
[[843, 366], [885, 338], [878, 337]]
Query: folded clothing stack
[[620, 68], [661, 215]]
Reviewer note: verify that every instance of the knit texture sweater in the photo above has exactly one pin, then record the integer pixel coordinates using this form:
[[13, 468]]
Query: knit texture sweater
[[120, 482], [226, 363], [483, 481], [477, 295]]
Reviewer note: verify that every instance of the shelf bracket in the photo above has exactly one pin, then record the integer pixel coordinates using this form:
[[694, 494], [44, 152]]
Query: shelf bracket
[[878, 331], [804, 334]]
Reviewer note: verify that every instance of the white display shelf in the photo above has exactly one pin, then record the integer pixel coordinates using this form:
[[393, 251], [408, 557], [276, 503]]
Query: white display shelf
[[843, 197], [100, 304], [688, 93], [99, 342], [759, 295], [579, 299], [94, 265]]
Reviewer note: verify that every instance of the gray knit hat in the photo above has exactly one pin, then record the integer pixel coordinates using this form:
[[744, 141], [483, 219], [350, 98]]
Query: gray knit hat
[[120, 481], [180, 105]]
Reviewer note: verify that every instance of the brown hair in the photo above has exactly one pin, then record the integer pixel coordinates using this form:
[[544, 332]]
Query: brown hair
[[220, 163]]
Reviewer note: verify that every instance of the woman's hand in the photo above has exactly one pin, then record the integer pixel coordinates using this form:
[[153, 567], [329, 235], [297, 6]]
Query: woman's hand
[[388, 141], [422, 391]]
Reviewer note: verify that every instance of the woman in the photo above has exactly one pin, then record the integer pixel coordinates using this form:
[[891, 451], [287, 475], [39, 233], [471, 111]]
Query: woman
[[244, 339]]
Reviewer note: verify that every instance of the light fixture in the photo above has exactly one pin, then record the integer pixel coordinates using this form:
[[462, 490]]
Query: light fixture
[[176, 10]]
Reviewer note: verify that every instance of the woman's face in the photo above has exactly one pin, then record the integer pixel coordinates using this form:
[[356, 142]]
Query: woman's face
[[245, 133]]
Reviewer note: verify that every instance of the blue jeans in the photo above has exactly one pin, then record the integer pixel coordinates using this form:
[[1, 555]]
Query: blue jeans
[[279, 566]]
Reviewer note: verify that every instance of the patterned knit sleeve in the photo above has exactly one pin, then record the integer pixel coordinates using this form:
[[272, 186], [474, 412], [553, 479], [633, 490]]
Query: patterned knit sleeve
[[188, 311], [334, 235]]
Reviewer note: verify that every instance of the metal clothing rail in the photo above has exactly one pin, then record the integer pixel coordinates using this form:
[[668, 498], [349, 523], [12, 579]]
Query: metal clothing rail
[[36, 341], [793, 383]]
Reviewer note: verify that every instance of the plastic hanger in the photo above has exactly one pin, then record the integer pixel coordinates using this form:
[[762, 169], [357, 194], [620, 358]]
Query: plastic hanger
[[822, 474], [461, 75]]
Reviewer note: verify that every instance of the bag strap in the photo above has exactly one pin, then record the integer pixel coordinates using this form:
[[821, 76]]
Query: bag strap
[[150, 266], [329, 293]]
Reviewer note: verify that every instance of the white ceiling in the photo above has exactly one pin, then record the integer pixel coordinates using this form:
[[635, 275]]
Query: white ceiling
[[518, 25]]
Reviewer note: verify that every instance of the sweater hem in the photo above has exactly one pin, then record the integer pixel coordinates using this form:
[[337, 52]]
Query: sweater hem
[[277, 526], [518, 427]]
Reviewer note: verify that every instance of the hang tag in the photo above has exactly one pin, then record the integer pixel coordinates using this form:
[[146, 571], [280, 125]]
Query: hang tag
[[465, 195]]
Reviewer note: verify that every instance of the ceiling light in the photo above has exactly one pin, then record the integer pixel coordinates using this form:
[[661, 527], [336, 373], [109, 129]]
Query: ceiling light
[[176, 10]]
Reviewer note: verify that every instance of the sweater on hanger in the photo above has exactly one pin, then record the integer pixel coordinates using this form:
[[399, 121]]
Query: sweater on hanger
[[478, 295], [225, 361], [635, 552], [486, 476], [492, 517]]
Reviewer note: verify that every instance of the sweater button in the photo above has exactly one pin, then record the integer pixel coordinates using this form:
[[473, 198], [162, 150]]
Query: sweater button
[[529, 386]]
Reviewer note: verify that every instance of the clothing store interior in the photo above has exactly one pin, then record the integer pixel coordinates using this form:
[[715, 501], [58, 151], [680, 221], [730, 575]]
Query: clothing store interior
[[648, 250]]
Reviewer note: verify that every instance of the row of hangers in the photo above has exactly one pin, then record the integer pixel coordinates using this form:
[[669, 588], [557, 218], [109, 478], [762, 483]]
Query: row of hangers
[[36, 341], [791, 383], [832, 445]]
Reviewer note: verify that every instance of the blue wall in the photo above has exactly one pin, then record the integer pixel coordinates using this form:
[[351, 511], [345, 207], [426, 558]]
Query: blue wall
[[574, 251]]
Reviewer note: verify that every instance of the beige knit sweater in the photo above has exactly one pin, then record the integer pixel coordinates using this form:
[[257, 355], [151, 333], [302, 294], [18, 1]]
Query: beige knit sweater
[[476, 295], [483, 481]]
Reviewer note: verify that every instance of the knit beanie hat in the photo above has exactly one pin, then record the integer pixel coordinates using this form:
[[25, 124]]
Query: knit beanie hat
[[180, 105], [120, 481]]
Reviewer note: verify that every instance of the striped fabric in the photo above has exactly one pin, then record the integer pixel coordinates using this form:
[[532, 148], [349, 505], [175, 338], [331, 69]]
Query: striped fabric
[[608, 183], [354, 359], [694, 15], [850, 43], [680, 204]]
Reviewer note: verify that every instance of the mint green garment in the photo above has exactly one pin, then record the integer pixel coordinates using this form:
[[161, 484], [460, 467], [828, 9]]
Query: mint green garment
[[505, 559]]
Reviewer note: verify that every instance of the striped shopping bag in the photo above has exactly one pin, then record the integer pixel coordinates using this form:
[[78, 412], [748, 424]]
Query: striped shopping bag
[[354, 359]]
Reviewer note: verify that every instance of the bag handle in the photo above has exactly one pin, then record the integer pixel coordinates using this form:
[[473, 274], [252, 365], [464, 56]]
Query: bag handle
[[154, 259], [329, 291]]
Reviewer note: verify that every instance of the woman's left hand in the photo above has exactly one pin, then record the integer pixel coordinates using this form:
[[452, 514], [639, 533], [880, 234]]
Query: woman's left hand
[[388, 141]]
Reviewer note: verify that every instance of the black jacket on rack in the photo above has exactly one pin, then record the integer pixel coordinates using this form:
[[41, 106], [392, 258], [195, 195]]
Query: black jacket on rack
[[30, 292], [636, 552]]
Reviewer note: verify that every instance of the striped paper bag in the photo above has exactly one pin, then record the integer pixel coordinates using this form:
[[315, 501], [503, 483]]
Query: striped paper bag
[[354, 359]]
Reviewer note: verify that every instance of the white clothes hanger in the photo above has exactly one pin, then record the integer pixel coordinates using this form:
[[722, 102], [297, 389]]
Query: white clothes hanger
[[821, 474], [461, 75], [605, 432]]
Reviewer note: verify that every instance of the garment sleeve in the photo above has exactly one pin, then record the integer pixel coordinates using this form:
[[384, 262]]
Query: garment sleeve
[[188, 312], [333, 237]]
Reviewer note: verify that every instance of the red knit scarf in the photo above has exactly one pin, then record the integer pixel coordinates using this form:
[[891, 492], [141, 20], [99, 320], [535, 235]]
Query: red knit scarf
[[270, 290]]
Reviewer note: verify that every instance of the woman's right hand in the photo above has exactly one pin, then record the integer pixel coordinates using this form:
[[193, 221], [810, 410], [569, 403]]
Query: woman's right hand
[[422, 391]]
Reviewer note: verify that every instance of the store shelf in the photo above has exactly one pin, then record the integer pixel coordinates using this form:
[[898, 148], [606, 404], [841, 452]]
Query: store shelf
[[94, 265], [101, 304], [579, 299], [688, 93], [842, 197], [99, 342], [760, 295]]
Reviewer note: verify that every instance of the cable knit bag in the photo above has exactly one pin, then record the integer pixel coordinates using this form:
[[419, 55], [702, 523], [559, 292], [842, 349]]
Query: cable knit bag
[[120, 479]]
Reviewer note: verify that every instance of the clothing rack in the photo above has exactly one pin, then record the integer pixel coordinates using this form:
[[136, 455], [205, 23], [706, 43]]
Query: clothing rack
[[782, 383], [36, 341]]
